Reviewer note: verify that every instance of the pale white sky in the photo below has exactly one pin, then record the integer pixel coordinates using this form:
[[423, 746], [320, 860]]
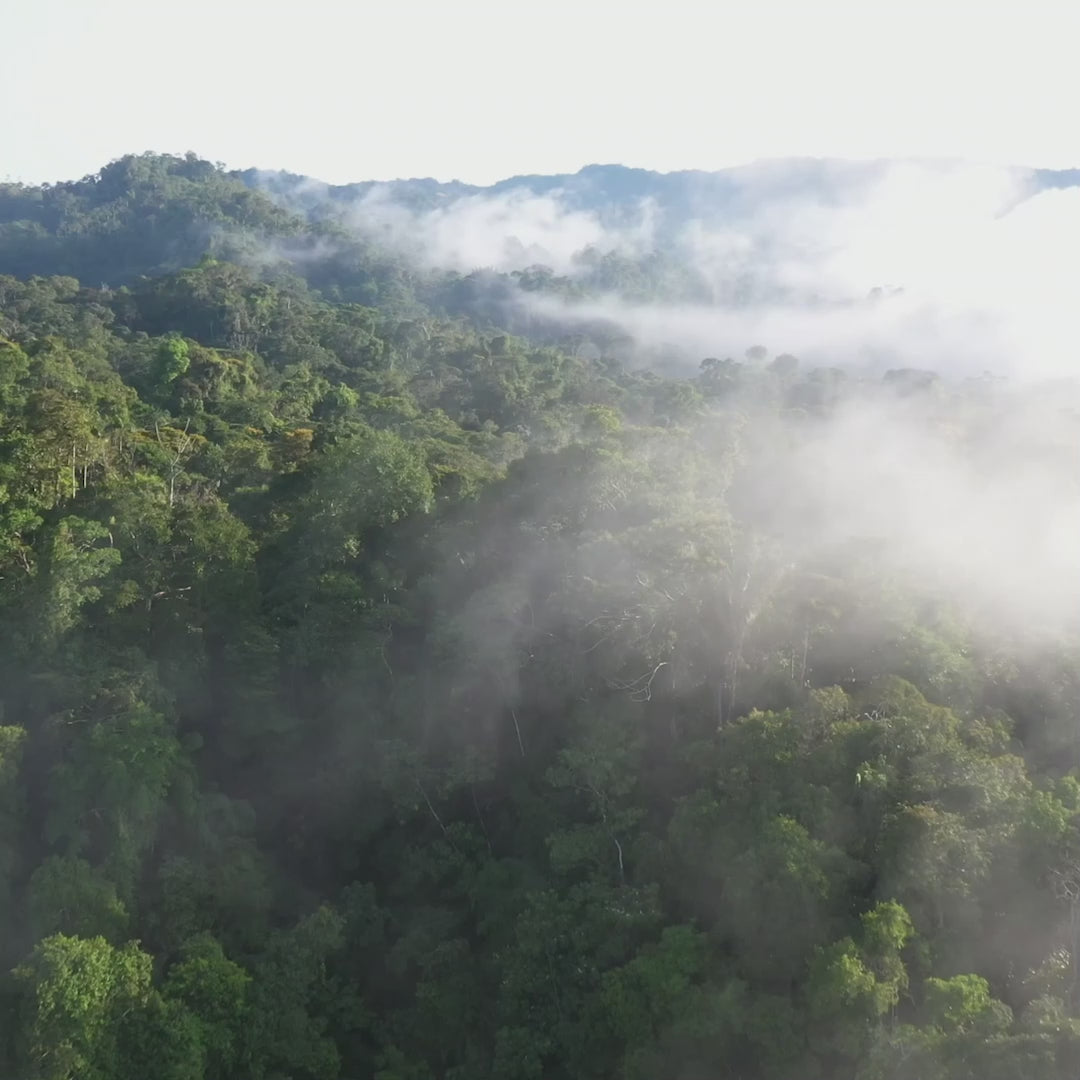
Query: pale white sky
[[481, 89]]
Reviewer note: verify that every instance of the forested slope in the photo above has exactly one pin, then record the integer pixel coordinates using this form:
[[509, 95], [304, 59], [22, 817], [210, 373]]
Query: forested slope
[[386, 695], [614, 190]]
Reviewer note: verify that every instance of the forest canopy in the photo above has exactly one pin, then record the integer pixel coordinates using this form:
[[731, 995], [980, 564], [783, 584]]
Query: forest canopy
[[390, 691]]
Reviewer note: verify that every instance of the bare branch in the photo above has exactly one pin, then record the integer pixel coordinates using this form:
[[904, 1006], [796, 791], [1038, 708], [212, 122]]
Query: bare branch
[[640, 689], [517, 729], [434, 813]]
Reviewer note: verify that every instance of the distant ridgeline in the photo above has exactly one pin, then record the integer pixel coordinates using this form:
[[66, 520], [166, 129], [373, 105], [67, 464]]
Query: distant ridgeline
[[613, 192], [385, 693], [607, 232]]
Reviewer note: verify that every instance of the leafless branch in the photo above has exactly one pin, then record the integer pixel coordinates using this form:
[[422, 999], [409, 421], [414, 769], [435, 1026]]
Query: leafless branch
[[640, 689]]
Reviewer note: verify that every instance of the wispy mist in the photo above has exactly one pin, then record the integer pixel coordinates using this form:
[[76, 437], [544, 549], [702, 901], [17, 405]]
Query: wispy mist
[[956, 267], [507, 231]]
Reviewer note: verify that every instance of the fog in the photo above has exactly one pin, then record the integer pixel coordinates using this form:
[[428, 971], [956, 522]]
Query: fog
[[504, 232], [957, 267], [968, 488], [979, 505]]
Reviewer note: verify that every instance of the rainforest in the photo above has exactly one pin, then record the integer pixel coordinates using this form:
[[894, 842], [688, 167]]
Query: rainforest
[[582, 629]]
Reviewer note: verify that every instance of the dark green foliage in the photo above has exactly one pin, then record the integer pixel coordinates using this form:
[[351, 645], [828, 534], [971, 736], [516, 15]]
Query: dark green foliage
[[384, 695]]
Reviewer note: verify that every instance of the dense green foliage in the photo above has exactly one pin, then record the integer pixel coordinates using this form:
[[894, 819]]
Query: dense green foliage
[[384, 696]]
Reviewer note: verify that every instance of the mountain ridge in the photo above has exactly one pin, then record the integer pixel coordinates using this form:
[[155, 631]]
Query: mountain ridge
[[619, 196], [603, 173]]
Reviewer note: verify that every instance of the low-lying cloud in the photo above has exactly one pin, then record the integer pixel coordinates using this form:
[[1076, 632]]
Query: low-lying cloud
[[956, 269], [504, 232], [960, 268]]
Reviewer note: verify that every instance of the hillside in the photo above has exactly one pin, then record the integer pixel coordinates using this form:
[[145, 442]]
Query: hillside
[[611, 191], [397, 681]]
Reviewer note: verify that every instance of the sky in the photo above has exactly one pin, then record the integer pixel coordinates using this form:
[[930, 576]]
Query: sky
[[481, 89]]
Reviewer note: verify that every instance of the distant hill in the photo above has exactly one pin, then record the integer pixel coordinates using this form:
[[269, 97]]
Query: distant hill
[[612, 191], [142, 214], [485, 254], [148, 214], [145, 215]]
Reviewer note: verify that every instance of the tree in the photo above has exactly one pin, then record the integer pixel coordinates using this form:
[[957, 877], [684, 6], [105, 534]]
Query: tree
[[852, 985], [12, 742], [67, 895], [108, 796], [171, 360], [75, 993], [287, 1031], [214, 991]]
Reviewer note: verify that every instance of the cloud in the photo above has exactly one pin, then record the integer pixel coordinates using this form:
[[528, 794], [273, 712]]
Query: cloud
[[958, 267], [508, 231], [975, 272], [989, 518], [978, 273]]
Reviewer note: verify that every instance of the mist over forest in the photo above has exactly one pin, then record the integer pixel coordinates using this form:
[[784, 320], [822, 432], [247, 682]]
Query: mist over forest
[[617, 625]]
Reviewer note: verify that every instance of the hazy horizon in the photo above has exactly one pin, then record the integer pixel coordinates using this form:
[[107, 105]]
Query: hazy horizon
[[676, 170], [488, 90]]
